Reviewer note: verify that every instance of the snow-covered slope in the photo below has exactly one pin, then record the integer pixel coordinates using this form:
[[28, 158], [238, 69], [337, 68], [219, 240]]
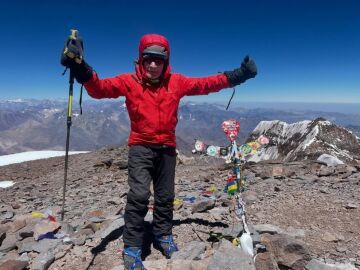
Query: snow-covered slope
[[306, 140]]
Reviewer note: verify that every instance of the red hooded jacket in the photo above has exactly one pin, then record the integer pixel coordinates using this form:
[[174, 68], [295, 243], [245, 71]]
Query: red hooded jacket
[[153, 109]]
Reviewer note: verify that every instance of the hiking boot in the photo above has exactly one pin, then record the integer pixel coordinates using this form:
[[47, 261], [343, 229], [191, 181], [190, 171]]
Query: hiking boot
[[132, 259], [166, 245]]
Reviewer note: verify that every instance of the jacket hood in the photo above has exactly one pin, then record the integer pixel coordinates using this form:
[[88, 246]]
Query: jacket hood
[[148, 41]]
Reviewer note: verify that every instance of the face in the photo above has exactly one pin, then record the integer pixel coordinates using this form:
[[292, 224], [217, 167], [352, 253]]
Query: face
[[153, 67]]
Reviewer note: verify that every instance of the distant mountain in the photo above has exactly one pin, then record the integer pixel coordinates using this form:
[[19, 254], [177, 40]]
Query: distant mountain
[[306, 140], [354, 129], [41, 126], [27, 125]]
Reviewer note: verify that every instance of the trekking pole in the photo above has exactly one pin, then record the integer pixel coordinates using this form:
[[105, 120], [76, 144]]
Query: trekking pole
[[74, 34], [68, 123]]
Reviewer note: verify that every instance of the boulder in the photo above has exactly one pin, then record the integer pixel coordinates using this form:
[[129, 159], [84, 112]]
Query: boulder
[[288, 251], [228, 256]]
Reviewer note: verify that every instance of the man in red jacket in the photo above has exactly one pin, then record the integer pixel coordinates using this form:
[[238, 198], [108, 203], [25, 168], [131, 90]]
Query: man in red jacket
[[152, 97]]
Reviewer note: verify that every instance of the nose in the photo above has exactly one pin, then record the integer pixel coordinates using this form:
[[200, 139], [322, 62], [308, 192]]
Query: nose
[[153, 64]]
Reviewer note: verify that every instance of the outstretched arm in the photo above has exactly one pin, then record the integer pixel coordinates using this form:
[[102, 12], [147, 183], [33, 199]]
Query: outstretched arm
[[206, 85], [105, 88], [202, 86]]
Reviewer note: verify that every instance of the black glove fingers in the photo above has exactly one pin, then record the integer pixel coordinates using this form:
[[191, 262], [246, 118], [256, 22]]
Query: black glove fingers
[[246, 71]]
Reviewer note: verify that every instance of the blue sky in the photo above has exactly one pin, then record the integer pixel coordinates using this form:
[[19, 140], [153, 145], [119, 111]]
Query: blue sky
[[306, 51]]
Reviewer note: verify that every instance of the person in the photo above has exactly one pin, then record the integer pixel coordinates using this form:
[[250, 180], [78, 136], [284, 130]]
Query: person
[[152, 95]]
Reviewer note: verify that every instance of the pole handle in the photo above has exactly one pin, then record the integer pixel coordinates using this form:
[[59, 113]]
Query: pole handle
[[74, 34], [74, 39]]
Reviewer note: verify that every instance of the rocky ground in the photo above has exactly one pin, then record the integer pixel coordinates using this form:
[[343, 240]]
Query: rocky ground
[[306, 214]]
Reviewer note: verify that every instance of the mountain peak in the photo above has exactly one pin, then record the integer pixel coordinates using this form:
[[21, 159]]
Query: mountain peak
[[307, 139]]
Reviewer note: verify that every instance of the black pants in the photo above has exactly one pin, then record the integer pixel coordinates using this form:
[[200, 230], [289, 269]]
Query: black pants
[[146, 164]]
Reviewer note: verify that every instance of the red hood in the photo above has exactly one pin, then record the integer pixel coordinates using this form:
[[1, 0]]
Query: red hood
[[146, 41]]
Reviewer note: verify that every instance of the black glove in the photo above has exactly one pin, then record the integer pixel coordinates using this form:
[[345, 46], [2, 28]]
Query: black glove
[[72, 57], [246, 71]]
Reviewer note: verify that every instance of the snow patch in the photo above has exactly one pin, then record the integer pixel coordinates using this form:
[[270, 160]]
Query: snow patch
[[6, 184], [19, 100], [49, 112], [325, 123], [33, 155], [330, 160], [310, 138], [285, 130]]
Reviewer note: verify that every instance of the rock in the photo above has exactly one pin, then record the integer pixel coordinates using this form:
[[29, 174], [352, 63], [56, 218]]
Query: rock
[[267, 228], [79, 240], [278, 171], [250, 197], [178, 206], [297, 233], [13, 265], [318, 265], [228, 256], [97, 214], [329, 237], [173, 264], [344, 171], [255, 236], [9, 243], [7, 215], [80, 237], [67, 228], [46, 245], [288, 251], [26, 246], [180, 265], [25, 232], [351, 206], [119, 267], [159, 264], [264, 173], [114, 225], [202, 206], [17, 225], [24, 257], [265, 261], [341, 249], [43, 261], [326, 171], [2, 237], [15, 206], [92, 225], [193, 251], [201, 264], [234, 230], [96, 219], [121, 164], [114, 202]]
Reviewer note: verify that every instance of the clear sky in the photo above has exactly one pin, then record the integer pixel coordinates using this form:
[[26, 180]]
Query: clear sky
[[306, 50]]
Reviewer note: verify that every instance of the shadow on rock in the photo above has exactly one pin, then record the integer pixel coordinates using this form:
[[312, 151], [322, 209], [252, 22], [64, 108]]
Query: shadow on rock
[[199, 221], [104, 242]]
